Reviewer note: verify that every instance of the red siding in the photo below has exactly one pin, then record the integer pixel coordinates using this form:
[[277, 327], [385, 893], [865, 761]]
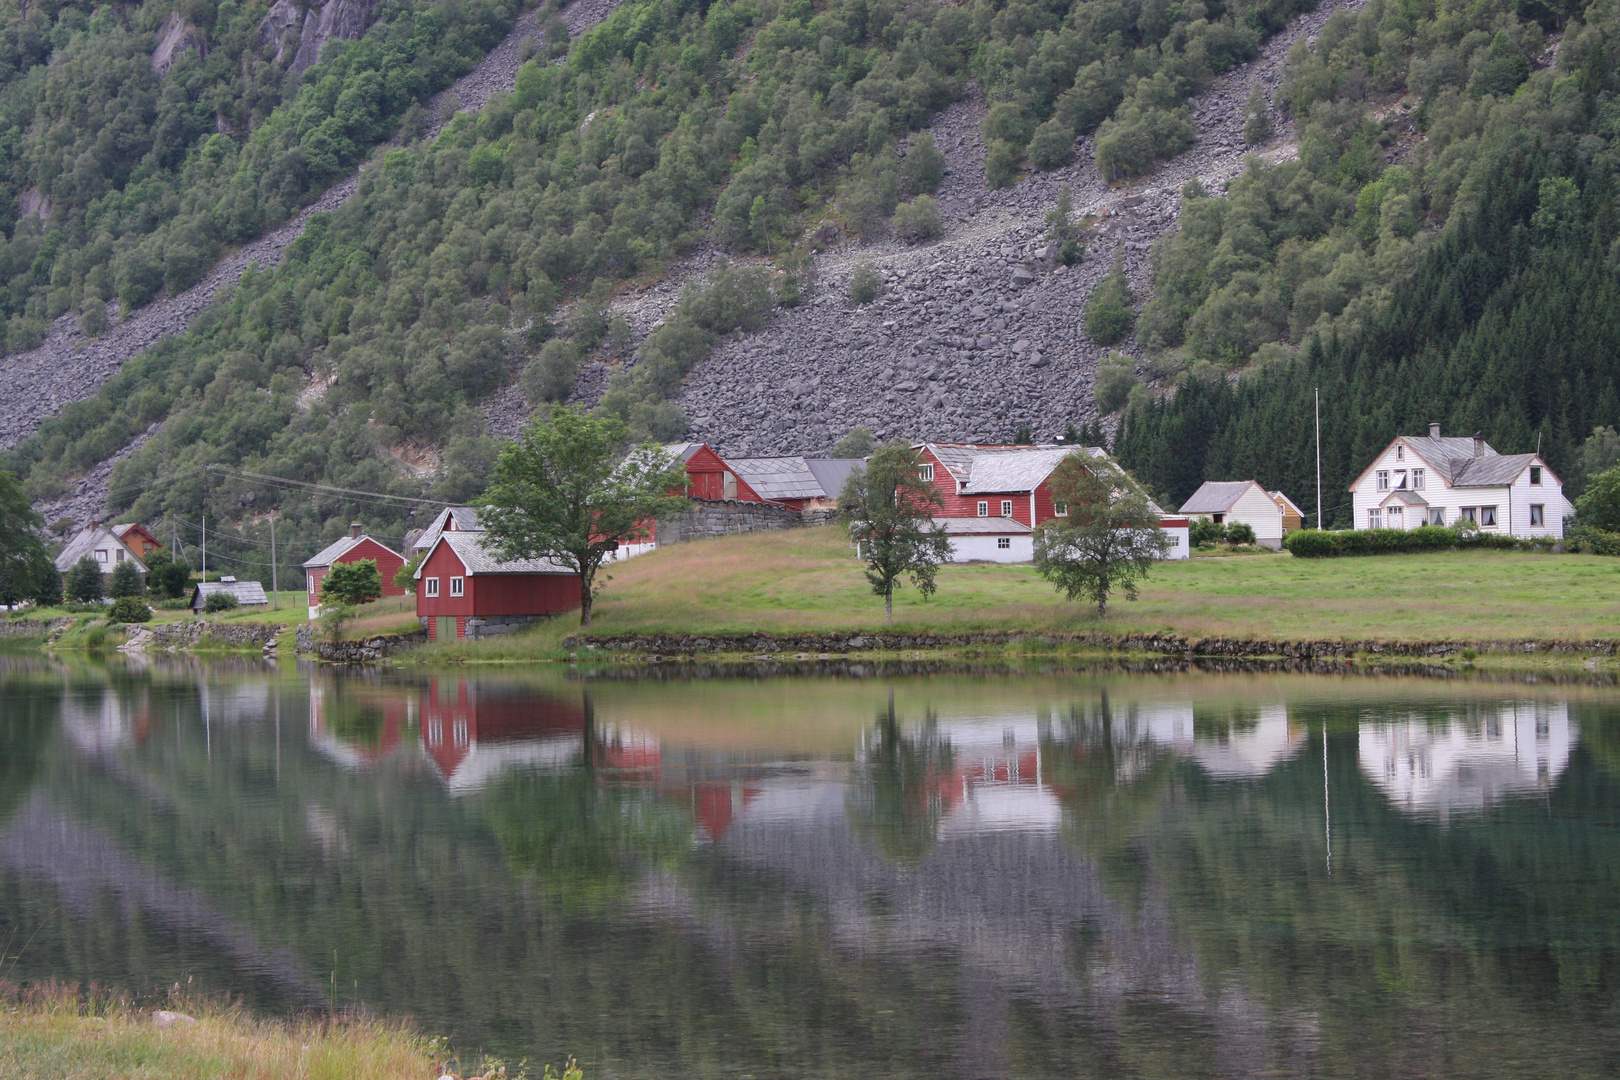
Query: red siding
[[968, 505], [388, 563], [443, 564], [706, 477], [491, 594], [315, 574]]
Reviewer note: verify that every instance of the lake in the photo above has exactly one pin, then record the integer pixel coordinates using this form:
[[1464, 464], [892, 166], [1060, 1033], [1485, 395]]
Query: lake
[[1046, 874]]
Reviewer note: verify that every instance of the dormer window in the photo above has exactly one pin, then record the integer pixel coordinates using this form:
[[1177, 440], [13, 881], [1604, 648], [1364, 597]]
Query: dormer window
[[1535, 474]]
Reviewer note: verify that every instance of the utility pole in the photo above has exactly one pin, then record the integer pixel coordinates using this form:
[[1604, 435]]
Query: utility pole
[[275, 587], [1319, 458], [205, 546]]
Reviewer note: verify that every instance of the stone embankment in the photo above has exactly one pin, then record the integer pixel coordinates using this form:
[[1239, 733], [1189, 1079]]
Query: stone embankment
[[33, 628], [1161, 644], [980, 331], [201, 634], [365, 651], [69, 367]]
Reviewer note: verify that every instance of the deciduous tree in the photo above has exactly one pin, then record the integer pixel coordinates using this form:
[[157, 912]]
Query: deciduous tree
[[1108, 541], [568, 492], [358, 582], [890, 514]]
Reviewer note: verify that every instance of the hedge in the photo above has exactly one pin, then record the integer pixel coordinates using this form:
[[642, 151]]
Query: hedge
[[1315, 544]]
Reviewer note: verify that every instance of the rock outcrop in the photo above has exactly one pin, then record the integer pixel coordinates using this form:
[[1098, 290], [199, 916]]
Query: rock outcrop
[[301, 31], [176, 37]]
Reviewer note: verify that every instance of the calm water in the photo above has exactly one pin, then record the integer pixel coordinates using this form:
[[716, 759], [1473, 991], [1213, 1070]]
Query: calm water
[[1034, 876]]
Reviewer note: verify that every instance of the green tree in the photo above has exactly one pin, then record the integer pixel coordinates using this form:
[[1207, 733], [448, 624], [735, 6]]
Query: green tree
[[1110, 538], [83, 585], [405, 576], [1062, 230], [126, 581], [1257, 116], [1599, 453], [1599, 505], [352, 583], [130, 609], [165, 577], [1109, 318], [1116, 377], [566, 491], [865, 282], [890, 514], [24, 566], [917, 220], [857, 444], [922, 168]]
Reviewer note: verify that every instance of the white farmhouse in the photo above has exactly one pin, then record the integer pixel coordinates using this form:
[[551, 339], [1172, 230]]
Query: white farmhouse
[[1440, 481], [1239, 502]]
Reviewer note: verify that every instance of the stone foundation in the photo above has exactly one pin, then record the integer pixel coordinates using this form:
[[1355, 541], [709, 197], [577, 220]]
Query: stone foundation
[[488, 626], [708, 519]]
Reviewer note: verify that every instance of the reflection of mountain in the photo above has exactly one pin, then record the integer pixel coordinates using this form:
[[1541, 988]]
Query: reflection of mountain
[[1468, 761]]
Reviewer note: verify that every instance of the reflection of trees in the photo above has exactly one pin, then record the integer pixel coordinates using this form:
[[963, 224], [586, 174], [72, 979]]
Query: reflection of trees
[[897, 798], [28, 719], [1109, 785]]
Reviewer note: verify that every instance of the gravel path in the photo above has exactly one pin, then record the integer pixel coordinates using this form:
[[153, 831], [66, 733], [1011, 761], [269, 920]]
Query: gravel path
[[68, 367]]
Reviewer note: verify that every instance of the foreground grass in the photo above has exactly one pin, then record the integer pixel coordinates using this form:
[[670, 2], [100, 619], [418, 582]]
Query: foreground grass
[[806, 581], [49, 1036]]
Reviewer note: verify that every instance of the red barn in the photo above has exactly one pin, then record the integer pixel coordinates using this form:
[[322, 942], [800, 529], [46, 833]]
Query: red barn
[[353, 548], [709, 477], [463, 592]]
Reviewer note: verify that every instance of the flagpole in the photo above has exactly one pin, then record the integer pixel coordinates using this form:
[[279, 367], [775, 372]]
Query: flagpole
[[1318, 457]]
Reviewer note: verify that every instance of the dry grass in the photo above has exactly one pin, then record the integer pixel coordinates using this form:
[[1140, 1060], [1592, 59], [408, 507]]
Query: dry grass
[[48, 1034], [390, 615], [806, 580]]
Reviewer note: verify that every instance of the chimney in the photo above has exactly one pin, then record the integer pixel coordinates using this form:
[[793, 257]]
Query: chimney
[[354, 528], [1434, 431], [1479, 444]]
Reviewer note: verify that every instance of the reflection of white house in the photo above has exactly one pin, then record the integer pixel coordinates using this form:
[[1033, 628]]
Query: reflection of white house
[[1468, 762], [1238, 750], [996, 776]]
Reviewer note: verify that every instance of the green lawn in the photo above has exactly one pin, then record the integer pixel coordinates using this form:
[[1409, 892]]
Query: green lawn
[[806, 580]]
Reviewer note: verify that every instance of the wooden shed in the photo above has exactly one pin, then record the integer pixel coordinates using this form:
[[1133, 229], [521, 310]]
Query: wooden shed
[[463, 592], [350, 549]]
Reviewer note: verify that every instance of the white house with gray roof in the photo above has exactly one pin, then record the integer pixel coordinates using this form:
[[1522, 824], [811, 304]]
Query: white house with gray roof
[[1241, 502], [104, 547], [1440, 480]]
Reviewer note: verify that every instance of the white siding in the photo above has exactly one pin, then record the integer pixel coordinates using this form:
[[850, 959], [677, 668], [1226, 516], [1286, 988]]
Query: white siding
[[1020, 549], [1549, 494], [1255, 509], [1181, 534], [1512, 502]]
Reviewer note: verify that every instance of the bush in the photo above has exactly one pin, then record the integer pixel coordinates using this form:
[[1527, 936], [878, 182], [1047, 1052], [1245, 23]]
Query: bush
[[95, 637], [1053, 145], [1239, 532], [1204, 533], [917, 220], [1109, 318], [129, 609], [1139, 135], [178, 603], [922, 168], [1116, 377], [220, 601], [1314, 544], [865, 283], [357, 582], [1001, 165]]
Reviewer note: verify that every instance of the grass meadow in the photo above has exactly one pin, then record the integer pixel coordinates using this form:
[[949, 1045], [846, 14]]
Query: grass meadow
[[807, 581]]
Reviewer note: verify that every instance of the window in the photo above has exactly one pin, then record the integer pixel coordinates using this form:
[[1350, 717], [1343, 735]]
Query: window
[[925, 473], [1397, 518], [1437, 516], [1003, 543], [314, 585], [430, 586], [1400, 452], [1535, 475], [118, 555], [1537, 516], [1383, 479], [1061, 509], [1375, 519], [458, 586], [101, 555], [1487, 516], [1417, 479], [1400, 479], [1467, 513], [1006, 508], [984, 508]]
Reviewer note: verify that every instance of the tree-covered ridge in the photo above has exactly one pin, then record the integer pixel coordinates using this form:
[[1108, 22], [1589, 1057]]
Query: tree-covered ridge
[[1471, 285], [118, 180]]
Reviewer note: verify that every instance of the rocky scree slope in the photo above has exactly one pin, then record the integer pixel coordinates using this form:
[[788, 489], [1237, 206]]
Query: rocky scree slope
[[69, 367], [978, 332]]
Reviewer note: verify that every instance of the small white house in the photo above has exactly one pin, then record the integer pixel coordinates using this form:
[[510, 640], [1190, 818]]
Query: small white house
[[1443, 480], [1241, 502]]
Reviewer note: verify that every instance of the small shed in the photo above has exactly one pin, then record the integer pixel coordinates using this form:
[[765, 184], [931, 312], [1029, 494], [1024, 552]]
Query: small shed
[[350, 549], [463, 592], [708, 476], [1239, 502], [247, 593], [1293, 516]]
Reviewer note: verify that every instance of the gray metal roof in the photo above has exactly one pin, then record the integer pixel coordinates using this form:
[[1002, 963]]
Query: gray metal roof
[[473, 551], [778, 478], [683, 451], [1496, 470], [339, 548], [833, 473], [246, 592], [1216, 496], [1410, 498], [981, 526], [1445, 454], [1004, 471], [465, 517], [87, 542]]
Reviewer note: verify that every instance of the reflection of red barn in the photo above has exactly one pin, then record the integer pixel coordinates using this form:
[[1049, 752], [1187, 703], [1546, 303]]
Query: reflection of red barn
[[472, 733], [716, 803], [398, 712]]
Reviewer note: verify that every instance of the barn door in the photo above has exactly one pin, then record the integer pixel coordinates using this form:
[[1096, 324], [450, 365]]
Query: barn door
[[730, 481], [445, 628]]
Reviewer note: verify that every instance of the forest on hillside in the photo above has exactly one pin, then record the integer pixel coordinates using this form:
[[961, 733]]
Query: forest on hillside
[[1443, 250], [754, 122]]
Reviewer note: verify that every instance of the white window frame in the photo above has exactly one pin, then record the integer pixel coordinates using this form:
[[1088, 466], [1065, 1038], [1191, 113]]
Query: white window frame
[[1375, 519], [458, 586], [1060, 509], [1006, 508], [430, 586], [1538, 515], [1487, 517], [101, 555], [925, 473], [1003, 543], [1418, 479], [984, 507], [1383, 479], [1468, 513]]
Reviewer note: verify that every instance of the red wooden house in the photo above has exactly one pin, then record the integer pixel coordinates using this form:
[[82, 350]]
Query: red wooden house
[[352, 548], [137, 539], [709, 477], [464, 592]]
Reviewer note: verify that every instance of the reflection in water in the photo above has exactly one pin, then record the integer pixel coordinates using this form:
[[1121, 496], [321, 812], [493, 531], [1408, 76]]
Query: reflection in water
[[1113, 877], [1470, 760]]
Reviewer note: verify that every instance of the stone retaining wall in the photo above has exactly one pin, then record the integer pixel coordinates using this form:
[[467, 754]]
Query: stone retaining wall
[[194, 632], [368, 650], [1162, 644], [709, 519], [29, 628]]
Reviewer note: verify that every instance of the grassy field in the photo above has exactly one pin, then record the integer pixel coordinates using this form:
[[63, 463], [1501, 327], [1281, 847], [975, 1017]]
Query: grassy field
[[806, 581], [53, 1037]]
